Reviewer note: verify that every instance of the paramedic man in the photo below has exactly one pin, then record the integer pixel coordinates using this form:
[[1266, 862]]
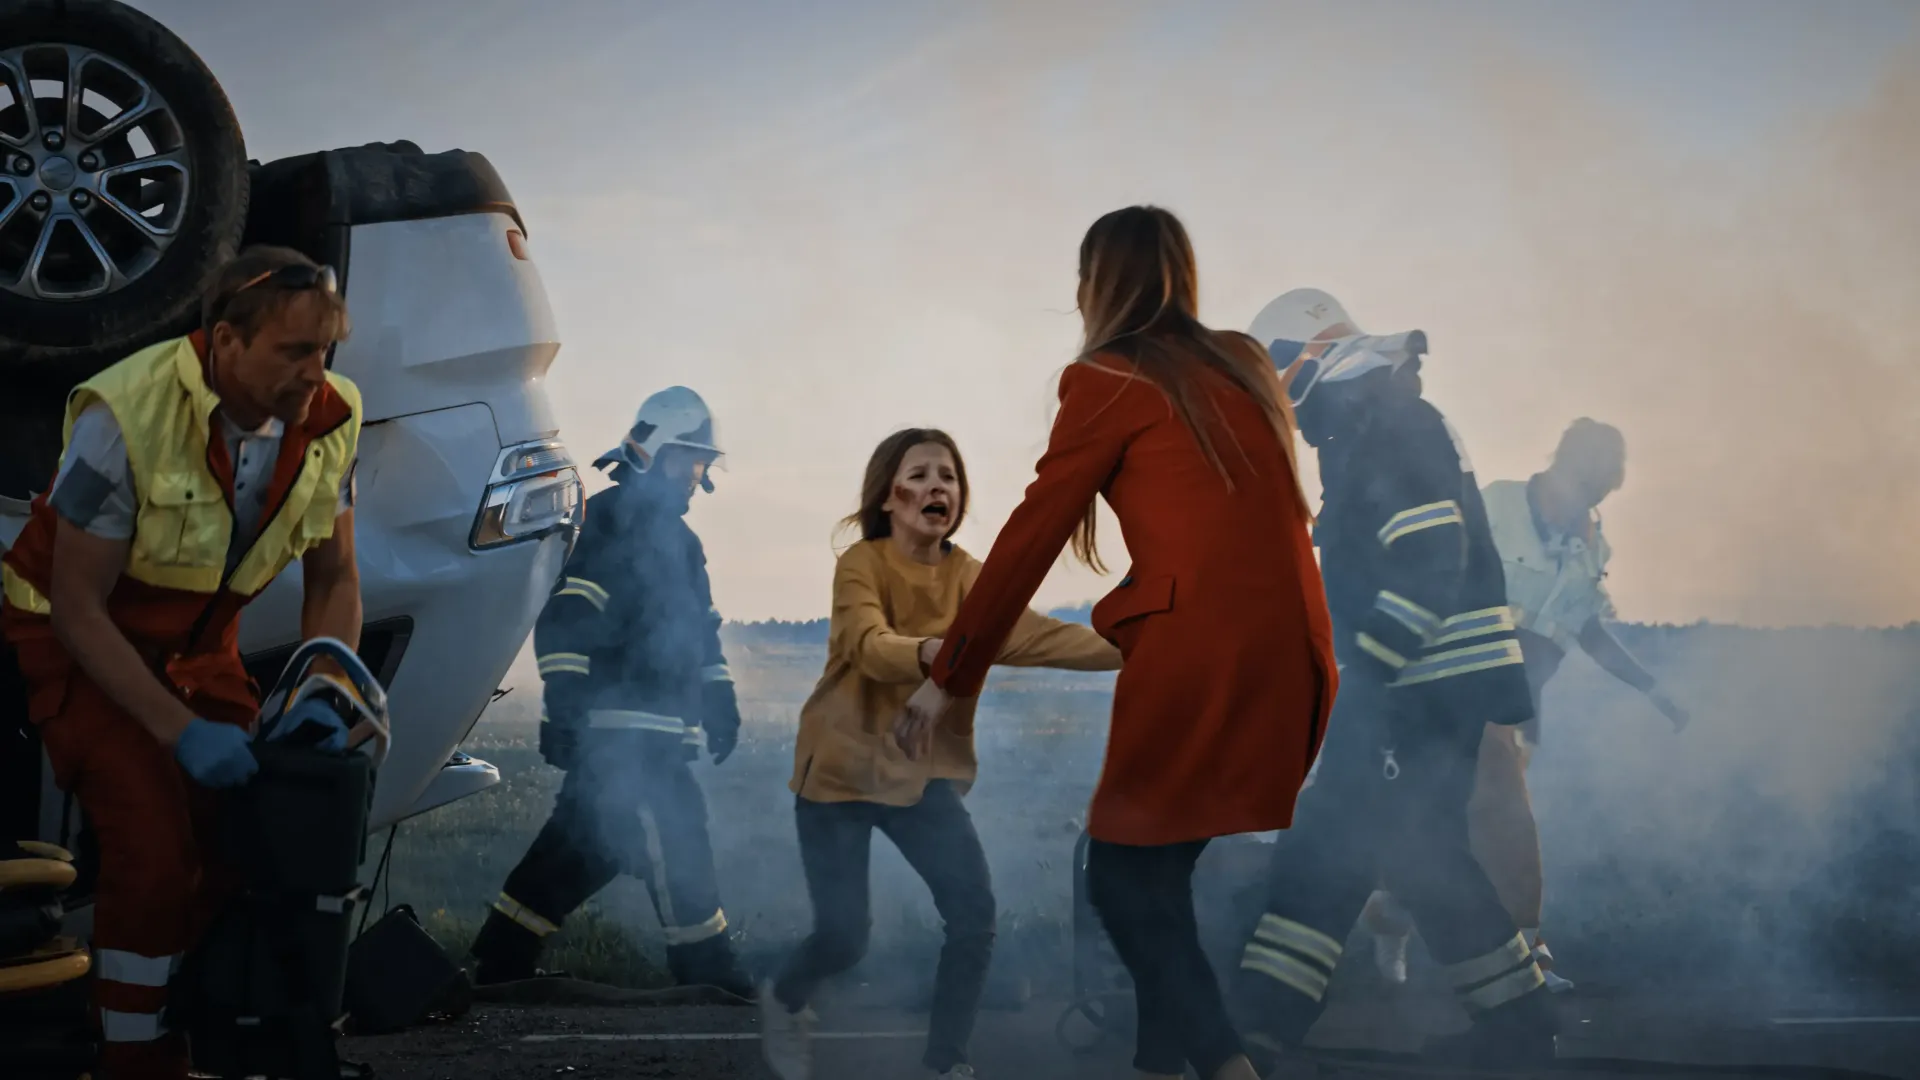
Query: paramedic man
[[194, 472]]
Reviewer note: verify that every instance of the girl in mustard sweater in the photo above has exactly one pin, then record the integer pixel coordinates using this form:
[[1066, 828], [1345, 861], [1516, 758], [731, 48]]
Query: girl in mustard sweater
[[893, 595]]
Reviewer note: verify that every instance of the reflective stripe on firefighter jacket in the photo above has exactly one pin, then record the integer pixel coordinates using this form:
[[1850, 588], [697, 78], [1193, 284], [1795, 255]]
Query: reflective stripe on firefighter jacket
[[1414, 582], [1555, 584], [629, 638], [176, 576]]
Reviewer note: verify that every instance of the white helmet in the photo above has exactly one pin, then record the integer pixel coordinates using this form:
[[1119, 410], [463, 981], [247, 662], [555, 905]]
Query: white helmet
[[673, 417], [1309, 316]]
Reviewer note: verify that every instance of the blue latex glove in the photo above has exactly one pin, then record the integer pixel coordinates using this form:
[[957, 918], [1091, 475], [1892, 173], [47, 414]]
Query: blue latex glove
[[215, 755]]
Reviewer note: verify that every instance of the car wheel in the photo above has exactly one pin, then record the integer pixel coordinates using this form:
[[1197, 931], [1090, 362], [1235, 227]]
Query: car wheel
[[123, 186]]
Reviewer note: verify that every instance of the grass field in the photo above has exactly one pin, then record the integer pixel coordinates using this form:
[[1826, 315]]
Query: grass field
[[1775, 838]]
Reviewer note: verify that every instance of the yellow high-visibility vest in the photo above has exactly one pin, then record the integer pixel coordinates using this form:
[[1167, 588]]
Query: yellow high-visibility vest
[[183, 520]]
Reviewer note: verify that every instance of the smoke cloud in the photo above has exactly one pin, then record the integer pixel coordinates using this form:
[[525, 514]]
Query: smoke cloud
[[1731, 287]]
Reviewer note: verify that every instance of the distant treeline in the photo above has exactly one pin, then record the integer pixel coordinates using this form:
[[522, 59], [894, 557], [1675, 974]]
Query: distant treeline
[[814, 631], [1649, 635]]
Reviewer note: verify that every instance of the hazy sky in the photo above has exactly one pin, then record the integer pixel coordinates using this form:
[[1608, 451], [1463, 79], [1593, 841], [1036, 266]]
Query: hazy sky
[[1692, 219]]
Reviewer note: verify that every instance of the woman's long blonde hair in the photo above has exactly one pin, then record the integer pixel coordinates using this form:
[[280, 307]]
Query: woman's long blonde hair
[[1140, 300]]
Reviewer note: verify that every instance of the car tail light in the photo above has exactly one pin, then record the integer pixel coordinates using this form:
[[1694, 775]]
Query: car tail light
[[535, 491]]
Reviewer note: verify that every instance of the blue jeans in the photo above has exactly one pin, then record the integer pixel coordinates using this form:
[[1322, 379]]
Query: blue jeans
[[937, 837]]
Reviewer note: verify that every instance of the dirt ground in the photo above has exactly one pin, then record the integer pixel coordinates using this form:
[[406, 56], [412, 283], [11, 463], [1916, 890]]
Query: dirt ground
[[871, 1040]]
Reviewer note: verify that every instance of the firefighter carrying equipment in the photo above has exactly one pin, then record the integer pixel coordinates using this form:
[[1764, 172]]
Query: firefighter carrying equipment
[[675, 416], [178, 604], [628, 646]]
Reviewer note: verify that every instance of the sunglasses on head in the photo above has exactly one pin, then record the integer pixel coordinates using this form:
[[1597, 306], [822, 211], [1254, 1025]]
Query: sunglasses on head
[[298, 277]]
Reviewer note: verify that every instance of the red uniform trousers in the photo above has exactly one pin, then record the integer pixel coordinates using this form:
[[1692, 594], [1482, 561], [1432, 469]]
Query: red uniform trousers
[[156, 892]]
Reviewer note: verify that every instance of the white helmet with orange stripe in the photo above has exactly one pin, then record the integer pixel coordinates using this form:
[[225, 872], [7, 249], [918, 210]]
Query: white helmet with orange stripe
[[1308, 327], [675, 416]]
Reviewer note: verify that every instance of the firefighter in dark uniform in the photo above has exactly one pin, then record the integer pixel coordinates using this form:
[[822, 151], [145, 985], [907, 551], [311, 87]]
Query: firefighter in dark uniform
[[1428, 656], [635, 683]]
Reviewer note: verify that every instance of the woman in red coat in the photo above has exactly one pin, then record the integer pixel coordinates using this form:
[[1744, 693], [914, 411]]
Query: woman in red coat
[[1228, 674]]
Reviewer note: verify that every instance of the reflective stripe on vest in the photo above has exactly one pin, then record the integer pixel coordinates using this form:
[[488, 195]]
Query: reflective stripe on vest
[[184, 521], [21, 593]]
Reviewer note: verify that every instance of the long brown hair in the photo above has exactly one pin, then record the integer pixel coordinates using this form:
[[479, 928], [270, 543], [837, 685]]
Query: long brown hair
[[1140, 300], [876, 488]]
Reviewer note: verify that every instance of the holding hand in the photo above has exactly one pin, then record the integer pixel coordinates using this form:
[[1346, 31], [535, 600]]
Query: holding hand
[[913, 730], [1671, 709], [929, 649], [215, 755]]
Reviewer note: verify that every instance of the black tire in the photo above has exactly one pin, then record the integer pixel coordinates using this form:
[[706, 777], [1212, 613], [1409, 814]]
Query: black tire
[[58, 342]]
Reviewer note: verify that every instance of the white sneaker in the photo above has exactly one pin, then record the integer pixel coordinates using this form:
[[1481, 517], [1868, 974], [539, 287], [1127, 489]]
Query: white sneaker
[[1390, 956], [786, 1038], [958, 1072]]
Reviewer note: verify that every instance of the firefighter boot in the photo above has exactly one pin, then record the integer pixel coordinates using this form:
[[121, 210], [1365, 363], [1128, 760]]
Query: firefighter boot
[[506, 951], [1517, 1035], [1273, 1019], [710, 963]]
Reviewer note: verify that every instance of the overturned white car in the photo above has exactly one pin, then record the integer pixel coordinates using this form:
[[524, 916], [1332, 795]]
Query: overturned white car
[[124, 184]]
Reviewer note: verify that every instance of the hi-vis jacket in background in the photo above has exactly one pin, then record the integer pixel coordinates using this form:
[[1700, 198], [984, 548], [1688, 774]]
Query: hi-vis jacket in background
[[191, 567], [1556, 584], [1414, 581]]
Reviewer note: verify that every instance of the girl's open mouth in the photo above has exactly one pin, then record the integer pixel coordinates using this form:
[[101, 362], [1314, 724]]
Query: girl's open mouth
[[934, 511]]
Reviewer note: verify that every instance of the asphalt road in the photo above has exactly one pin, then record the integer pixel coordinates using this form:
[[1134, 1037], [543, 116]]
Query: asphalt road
[[872, 1041]]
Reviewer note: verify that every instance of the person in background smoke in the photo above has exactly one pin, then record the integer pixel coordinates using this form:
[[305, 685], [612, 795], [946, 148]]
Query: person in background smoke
[[635, 682], [893, 595], [1429, 659], [1555, 558], [1229, 672]]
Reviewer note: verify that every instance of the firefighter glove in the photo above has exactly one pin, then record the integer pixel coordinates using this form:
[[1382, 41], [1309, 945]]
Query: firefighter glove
[[720, 716], [559, 744], [215, 755]]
